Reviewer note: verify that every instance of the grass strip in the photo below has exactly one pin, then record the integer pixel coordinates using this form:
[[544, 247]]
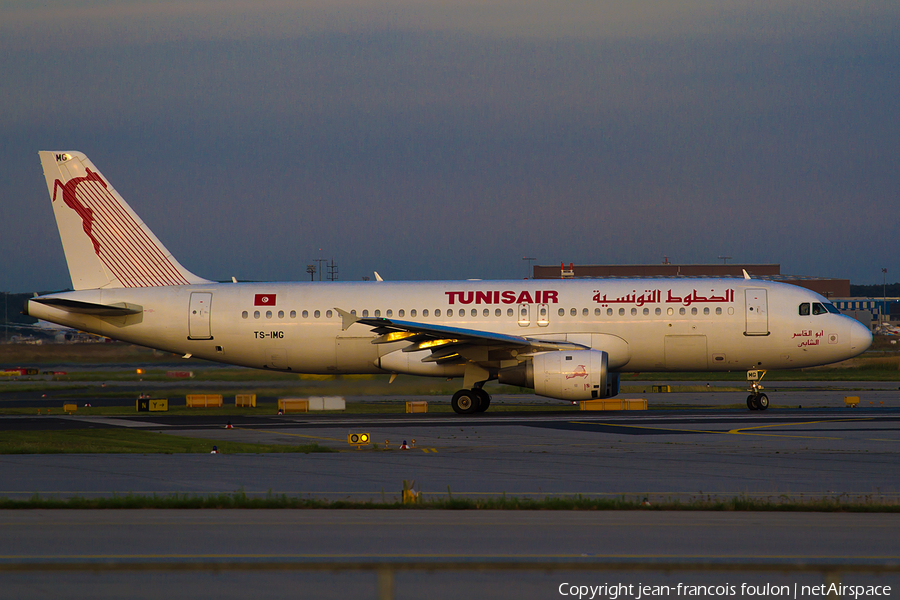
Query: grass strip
[[127, 441], [240, 500]]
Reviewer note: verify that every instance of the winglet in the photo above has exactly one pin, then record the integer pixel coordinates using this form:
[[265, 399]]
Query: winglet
[[746, 274], [347, 319], [378, 277]]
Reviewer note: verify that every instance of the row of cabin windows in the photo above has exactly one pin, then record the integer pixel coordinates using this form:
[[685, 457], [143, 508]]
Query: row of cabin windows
[[509, 312]]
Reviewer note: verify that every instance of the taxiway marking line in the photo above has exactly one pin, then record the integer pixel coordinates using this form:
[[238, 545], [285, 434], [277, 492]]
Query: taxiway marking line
[[310, 437], [464, 556], [733, 431], [743, 429], [642, 493]]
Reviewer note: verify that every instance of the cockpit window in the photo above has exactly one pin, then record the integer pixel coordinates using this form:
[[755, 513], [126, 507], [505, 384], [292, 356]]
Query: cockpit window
[[804, 309], [818, 309], [832, 308]]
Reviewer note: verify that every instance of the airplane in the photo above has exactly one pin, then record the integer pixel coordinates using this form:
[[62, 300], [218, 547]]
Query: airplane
[[568, 339]]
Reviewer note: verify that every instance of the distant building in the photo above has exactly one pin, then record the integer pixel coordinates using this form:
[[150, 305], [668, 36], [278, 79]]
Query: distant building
[[868, 310], [830, 288]]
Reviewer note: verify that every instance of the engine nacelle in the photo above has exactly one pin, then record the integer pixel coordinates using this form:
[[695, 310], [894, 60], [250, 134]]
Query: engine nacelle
[[566, 375], [410, 363]]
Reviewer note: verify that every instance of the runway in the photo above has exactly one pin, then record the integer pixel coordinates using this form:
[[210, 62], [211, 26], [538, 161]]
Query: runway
[[661, 455], [687, 454], [434, 554]]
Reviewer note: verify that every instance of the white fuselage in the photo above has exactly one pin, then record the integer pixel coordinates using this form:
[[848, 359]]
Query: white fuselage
[[643, 324]]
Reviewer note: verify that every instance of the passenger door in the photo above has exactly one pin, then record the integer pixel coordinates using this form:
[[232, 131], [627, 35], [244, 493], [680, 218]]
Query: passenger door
[[756, 311]]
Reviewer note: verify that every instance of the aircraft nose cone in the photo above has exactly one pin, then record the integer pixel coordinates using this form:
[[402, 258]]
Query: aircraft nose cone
[[860, 338]]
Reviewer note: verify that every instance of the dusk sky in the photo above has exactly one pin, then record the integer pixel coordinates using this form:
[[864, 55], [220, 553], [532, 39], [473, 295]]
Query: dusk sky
[[448, 139]]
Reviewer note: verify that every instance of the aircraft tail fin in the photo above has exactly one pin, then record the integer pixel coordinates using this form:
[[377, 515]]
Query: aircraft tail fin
[[106, 244]]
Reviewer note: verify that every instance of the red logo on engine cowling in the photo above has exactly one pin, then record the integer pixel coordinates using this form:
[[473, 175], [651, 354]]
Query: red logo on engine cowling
[[580, 371]]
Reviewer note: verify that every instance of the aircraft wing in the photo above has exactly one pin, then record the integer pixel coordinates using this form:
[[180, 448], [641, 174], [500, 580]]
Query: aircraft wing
[[448, 344]]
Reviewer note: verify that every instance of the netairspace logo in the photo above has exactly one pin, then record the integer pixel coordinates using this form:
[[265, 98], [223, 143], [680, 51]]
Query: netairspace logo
[[616, 591]]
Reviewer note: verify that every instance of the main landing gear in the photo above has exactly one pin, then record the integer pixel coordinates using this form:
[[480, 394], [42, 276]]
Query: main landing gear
[[466, 402], [756, 400]]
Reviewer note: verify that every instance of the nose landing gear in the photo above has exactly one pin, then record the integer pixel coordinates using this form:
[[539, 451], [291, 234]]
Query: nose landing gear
[[756, 400]]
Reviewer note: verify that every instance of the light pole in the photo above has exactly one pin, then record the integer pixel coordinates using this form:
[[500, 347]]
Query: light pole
[[528, 272], [883, 294]]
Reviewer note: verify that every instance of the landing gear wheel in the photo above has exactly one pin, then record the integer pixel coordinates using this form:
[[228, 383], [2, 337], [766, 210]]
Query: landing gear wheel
[[465, 402], [484, 399], [753, 402], [762, 402]]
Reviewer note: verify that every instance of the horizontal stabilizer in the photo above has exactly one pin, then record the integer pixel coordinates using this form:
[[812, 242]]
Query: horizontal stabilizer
[[120, 309]]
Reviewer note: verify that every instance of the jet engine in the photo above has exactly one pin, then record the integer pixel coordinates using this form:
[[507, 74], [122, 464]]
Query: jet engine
[[566, 375]]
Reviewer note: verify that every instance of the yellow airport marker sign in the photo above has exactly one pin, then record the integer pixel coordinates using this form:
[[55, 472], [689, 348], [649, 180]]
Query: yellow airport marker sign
[[358, 439]]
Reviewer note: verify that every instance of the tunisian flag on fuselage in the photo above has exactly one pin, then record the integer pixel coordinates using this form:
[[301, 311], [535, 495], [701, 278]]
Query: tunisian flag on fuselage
[[264, 300]]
